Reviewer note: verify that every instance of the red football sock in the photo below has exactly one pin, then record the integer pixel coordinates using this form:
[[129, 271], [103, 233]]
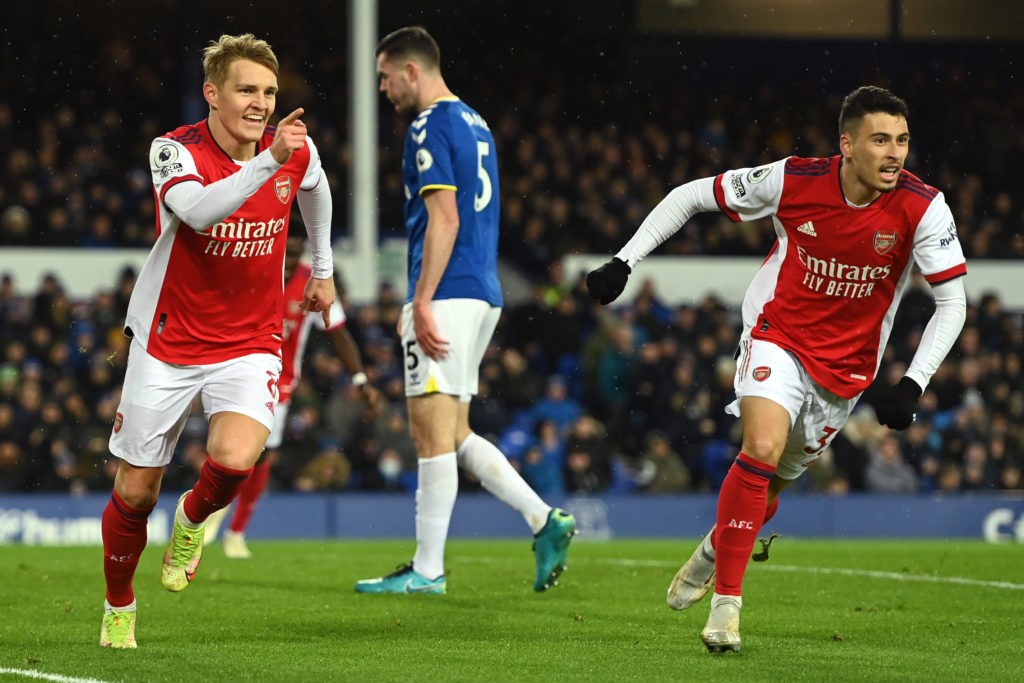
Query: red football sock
[[217, 487], [123, 529], [769, 512], [742, 508], [247, 497]]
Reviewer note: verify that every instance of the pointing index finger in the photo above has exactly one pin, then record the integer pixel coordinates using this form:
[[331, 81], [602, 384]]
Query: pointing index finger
[[291, 118]]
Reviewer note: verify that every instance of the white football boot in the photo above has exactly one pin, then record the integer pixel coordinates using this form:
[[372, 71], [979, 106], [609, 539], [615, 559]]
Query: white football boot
[[235, 546], [213, 523], [695, 578], [722, 632]]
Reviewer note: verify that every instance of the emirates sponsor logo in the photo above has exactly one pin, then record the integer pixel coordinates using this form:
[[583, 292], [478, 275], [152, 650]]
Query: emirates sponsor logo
[[884, 241], [761, 373], [242, 238], [118, 421], [244, 230], [832, 277], [831, 268]]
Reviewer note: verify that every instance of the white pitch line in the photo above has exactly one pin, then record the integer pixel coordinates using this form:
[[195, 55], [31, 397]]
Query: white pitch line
[[896, 576], [869, 573], [31, 673]]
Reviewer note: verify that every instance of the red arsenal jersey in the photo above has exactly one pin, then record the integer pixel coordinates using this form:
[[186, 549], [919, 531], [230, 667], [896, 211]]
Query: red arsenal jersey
[[829, 289], [297, 326], [209, 293]]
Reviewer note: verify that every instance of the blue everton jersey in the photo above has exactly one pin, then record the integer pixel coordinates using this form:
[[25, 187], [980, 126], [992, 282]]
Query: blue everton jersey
[[450, 147]]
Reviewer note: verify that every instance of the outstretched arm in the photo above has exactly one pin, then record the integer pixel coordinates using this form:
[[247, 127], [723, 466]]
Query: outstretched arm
[[607, 282], [671, 214]]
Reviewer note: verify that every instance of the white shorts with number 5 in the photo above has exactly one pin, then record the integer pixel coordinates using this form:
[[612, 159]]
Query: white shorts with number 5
[[157, 397], [468, 325], [815, 414]]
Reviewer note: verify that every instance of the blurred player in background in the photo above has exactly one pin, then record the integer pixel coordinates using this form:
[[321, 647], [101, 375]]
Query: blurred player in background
[[452, 214], [297, 327], [816, 318], [205, 314]]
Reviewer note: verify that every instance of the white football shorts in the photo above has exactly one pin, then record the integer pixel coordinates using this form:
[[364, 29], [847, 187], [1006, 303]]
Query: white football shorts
[[276, 437], [468, 325], [157, 396], [815, 414]]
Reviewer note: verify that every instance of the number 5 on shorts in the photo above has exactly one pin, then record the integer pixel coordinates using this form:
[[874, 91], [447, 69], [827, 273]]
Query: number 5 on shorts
[[412, 360]]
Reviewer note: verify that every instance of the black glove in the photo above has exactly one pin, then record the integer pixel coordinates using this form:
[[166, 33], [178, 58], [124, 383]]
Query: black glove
[[896, 407], [607, 282]]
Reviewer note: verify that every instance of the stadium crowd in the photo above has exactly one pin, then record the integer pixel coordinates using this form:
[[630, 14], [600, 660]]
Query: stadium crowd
[[581, 165], [582, 399]]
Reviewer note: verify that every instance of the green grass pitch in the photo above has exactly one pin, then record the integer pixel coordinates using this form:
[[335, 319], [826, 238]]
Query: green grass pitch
[[833, 610]]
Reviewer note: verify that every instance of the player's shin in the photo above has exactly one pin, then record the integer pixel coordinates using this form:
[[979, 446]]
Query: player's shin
[[124, 538], [742, 504]]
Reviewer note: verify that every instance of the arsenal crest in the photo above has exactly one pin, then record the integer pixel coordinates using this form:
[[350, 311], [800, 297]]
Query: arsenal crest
[[118, 421], [761, 373], [283, 188], [884, 241]]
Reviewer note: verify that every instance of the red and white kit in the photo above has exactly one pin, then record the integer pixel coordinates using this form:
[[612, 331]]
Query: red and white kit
[[297, 326], [238, 260], [205, 315], [829, 289]]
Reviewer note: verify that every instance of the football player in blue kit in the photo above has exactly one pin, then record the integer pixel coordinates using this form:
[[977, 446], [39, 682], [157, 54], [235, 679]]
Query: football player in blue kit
[[452, 217]]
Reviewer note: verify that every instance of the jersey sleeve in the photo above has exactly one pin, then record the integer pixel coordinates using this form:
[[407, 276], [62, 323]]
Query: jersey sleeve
[[171, 163], [200, 205], [433, 153], [937, 248], [312, 176], [747, 194]]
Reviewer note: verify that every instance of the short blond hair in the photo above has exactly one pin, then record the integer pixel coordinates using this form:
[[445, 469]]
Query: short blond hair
[[219, 55]]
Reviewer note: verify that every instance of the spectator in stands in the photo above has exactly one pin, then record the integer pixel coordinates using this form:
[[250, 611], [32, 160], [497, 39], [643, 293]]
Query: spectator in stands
[[557, 406], [15, 472], [980, 473], [1010, 477], [488, 413], [650, 383], [616, 367], [588, 458], [16, 226], [660, 469], [949, 477], [922, 447], [516, 382], [887, 472], [328, 470], [788, 364], [544, 459]]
